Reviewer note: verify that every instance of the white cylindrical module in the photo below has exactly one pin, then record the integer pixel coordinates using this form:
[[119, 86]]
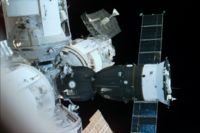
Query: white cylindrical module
[[93, 52], [28, 103], [153, 82]]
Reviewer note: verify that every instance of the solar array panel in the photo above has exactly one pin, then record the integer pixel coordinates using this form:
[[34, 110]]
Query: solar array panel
[[144, 117], [150, 39]]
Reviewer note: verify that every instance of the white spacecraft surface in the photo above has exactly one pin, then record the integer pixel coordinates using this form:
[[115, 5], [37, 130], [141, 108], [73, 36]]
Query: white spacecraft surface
[[41, 66]]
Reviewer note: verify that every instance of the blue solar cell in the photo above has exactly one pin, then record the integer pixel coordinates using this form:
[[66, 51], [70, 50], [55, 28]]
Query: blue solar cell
[[144, 117]]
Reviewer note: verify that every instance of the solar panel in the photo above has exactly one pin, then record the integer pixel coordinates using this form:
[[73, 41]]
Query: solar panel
[[93, 22], [144, 117], [151, 39]]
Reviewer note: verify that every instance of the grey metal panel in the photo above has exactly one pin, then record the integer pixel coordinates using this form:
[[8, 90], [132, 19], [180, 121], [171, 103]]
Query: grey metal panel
[[93, 23], [144, 117], [150, 39]]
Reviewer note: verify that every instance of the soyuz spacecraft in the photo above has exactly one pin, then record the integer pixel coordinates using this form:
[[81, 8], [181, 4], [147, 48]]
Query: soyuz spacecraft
[[41, 64]]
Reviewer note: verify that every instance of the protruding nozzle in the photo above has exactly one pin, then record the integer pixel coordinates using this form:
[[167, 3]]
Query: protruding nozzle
[[114, 13], [170, 98], [107, 19]]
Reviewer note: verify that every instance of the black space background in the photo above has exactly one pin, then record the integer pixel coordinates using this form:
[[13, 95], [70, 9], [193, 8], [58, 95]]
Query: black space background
[[179, 46]]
